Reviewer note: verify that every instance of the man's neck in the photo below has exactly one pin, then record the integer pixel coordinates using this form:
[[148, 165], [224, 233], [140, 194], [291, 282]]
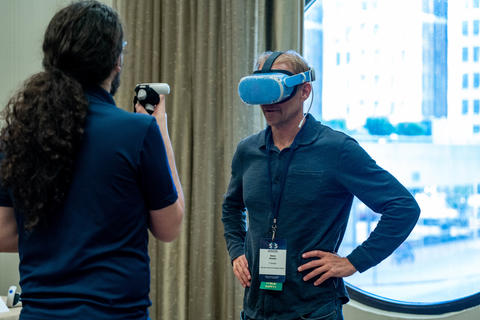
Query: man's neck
[[106, 84], [284, 135]]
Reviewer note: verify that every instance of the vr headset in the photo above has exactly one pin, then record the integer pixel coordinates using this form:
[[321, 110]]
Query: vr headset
[[269, 86]]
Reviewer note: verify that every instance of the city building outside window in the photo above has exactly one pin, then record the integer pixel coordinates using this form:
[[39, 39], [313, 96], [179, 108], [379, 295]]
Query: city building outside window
[[465, 28], [412, 78], [464, 106]]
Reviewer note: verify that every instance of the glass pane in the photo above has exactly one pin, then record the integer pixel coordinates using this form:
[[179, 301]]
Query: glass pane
[[405, 95], [465, 81], [464, 106]]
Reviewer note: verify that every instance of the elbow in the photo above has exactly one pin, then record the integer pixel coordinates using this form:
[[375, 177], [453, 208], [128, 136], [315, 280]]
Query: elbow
[[172, 233], [10, 244], [166, 225]]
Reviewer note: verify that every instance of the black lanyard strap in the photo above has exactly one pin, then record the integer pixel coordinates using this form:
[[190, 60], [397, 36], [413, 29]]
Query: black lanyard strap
[[283, 179]]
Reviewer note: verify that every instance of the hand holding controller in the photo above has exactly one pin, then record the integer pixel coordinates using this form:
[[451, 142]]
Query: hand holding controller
[[148, 95]]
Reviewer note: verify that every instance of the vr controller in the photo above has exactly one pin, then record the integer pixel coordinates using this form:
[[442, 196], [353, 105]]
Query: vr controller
[[148, 95], [13, 297]]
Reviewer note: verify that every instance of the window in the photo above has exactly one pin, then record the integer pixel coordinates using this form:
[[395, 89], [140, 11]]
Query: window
[[465, 81], [464, 54], [465, 28], [424, 141], [465, 107], [476, 3]]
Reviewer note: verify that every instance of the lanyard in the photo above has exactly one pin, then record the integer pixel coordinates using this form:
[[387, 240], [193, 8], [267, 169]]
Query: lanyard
[[283, 178]]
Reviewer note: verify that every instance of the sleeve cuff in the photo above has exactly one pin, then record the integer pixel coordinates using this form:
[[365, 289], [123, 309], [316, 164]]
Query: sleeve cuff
[[236, 252], [360, 259]]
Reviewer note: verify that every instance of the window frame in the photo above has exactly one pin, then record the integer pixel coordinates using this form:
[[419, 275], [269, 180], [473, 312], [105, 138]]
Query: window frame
[[429, 308]]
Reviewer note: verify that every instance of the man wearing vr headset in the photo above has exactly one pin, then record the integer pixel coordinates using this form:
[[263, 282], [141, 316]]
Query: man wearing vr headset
[[297, 179]]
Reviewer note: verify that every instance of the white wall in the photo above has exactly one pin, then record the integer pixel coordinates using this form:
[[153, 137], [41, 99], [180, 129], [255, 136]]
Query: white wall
[[23, 23]]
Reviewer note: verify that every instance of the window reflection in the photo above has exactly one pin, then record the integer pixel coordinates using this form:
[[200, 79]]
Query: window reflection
[[413, 104]]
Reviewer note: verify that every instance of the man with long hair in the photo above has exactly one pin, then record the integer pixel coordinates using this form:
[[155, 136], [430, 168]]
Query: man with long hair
[[83, 181]]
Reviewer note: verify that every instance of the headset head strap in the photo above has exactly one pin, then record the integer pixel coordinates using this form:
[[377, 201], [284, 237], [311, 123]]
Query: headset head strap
[[267, 66]]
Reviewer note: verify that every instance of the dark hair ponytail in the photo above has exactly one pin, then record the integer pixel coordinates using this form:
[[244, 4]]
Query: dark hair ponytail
[[44, 121]]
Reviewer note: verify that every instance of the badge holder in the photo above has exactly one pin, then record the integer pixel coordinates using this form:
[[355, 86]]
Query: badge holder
[[273, 257]]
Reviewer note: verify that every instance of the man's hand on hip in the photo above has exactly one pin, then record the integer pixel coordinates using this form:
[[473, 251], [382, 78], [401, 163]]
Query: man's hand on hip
[[240, 269], [328, 265]]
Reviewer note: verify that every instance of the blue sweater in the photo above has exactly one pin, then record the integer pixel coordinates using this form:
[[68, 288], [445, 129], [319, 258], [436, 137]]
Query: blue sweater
[[328, 168]]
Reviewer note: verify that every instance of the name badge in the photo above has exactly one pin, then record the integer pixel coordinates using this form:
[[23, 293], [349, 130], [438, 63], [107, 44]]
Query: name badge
[[273, 258]]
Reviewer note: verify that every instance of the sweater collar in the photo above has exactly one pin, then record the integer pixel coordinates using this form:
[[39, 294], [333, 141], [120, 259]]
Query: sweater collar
[[307, 134], [99, 95]]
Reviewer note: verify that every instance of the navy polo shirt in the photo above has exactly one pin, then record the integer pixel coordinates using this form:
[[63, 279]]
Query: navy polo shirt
[[326, 170], [91, 261]]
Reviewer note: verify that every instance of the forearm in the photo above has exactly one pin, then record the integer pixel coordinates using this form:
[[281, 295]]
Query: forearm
[[234, 225], [171, 162], [383, 194], [8, 230], [162, 123], [394, 227]]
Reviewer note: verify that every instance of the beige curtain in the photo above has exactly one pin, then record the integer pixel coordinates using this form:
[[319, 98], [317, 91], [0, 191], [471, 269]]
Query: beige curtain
[[284, 25], [201, 48]]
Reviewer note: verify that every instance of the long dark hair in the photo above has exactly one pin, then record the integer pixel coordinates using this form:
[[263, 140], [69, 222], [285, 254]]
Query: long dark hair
[[44, 120]]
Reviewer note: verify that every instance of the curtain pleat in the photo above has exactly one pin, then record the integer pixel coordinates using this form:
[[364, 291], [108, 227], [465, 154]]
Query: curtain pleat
[[201, 48]]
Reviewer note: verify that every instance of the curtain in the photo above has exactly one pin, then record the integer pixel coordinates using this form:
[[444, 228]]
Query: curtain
[[284, 25], [201, 48]]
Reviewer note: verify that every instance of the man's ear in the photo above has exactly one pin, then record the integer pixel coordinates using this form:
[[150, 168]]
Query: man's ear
[[119, 63], [305, 90]]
